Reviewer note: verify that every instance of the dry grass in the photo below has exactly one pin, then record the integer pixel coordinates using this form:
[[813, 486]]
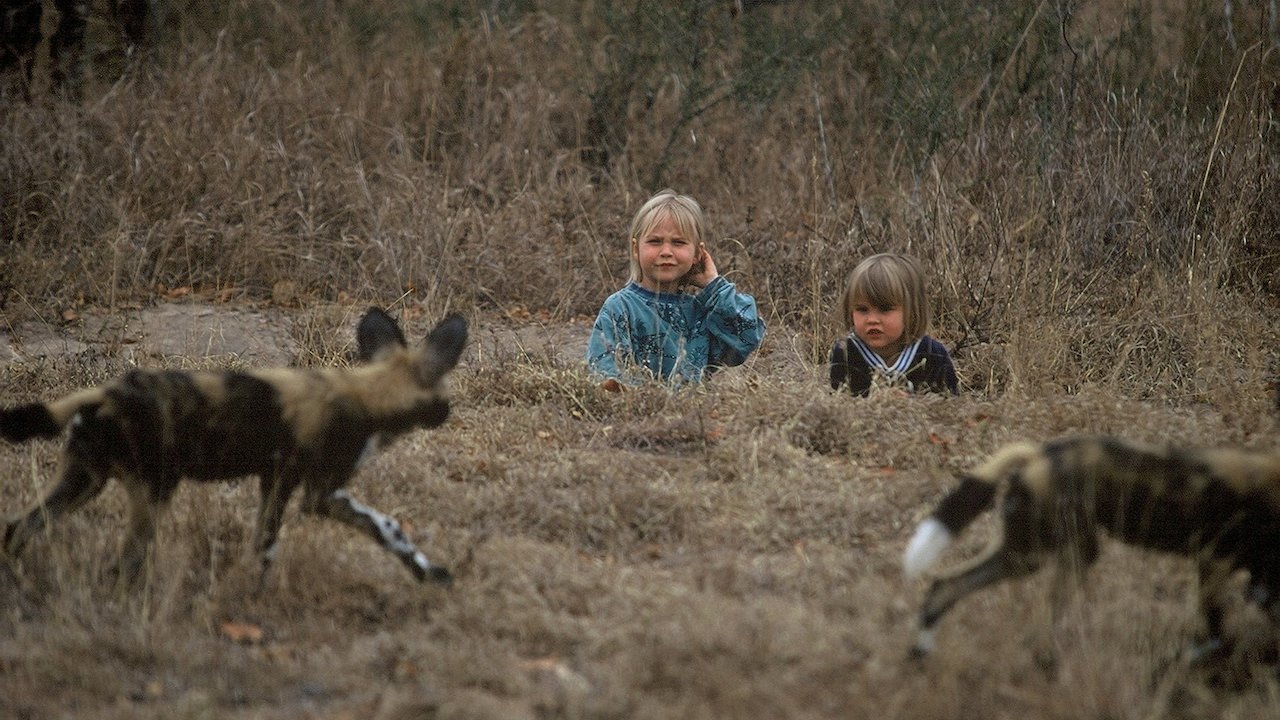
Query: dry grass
[[1099, 218]]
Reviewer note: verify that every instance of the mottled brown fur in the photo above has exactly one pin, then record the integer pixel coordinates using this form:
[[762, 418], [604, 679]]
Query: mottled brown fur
[[291, 427], [1221, 507]]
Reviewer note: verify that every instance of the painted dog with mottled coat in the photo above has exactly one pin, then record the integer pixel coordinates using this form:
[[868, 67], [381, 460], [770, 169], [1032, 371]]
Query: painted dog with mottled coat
[[1219, 506], [291, 427]]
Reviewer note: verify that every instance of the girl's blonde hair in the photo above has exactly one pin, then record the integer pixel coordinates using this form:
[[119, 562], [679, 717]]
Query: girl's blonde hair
[[684, 210], [890, 279]]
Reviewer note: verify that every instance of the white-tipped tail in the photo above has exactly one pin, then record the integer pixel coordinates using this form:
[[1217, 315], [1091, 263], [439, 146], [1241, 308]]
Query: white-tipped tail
[[926, 546]]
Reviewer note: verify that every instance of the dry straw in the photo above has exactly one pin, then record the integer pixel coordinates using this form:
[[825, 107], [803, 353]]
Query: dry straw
[[1093, 196]]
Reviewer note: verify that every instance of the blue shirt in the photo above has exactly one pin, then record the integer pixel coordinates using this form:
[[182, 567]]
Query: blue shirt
[[641, 335]]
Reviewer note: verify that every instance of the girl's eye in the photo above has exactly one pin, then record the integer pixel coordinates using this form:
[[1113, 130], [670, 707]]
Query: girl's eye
[[887, 308]]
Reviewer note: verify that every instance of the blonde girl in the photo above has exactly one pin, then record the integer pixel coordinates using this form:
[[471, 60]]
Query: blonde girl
[[677, 319]]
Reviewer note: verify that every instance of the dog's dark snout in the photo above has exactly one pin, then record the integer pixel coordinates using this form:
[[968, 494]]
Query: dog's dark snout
[[435, 413]]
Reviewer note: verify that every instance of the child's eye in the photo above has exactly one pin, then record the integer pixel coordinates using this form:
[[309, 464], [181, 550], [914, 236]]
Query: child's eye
[[887, 308]]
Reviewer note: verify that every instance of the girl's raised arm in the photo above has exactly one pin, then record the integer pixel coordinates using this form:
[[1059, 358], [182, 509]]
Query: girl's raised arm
[[732, 321]]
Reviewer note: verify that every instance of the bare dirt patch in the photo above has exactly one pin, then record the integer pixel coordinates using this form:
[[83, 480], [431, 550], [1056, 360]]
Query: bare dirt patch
[[264, 336], [177, 330]]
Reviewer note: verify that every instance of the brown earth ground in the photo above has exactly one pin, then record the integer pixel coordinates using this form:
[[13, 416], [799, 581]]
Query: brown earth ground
[[1090, 186], [725, 551]]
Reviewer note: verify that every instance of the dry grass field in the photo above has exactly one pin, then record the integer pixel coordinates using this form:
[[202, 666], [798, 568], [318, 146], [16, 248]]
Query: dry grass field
[[1093, 189]]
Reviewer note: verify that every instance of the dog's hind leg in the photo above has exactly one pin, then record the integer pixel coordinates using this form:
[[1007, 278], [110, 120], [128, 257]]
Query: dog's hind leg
[[78, 485], [385, 530], [1272, 609]]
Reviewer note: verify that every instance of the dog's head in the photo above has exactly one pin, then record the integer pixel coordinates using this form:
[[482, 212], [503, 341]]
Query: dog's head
[[415, 375]]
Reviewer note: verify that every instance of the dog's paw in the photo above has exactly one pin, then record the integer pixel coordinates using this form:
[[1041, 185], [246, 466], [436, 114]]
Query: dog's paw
[[439, 576], [923, 646], [1046, 660], [1207, 652], [9, 544]]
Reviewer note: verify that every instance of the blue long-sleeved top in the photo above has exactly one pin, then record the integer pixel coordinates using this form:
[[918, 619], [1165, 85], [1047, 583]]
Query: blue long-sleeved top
[[640, 334]]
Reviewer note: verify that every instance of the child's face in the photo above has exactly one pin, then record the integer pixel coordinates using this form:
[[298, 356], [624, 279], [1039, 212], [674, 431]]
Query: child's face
[[879, 326], [665, 256]]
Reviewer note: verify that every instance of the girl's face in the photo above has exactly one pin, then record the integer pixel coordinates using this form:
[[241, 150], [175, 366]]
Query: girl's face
[[879, 326], [665, 256]]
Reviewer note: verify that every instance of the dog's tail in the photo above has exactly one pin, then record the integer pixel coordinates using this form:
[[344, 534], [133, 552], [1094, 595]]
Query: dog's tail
[[975, 495], [42, 420]]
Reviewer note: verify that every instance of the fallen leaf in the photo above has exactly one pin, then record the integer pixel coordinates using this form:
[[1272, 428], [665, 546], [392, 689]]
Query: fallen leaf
[[404, 670], [550, 662], [243, 633]]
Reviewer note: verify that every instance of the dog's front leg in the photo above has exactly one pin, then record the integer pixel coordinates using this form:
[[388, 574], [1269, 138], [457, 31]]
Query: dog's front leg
[[1214, 574], [1069, 572], [384, 529], [275, 488], [144, 507]]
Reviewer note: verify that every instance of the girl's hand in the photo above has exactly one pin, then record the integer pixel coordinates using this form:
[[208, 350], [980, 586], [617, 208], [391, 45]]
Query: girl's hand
[[703, 271]]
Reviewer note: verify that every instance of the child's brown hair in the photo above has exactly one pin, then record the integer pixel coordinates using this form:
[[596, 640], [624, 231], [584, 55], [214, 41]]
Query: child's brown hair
[[888, 279]]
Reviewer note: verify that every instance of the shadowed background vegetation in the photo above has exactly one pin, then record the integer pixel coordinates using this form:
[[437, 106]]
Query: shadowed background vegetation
[[1092, 187]]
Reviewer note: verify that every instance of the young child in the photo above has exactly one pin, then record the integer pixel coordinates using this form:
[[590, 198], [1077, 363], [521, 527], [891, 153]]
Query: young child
[[886, 305], [677, 319]]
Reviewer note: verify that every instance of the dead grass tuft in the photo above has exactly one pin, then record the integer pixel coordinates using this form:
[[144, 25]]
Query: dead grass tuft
[[1093, 195]]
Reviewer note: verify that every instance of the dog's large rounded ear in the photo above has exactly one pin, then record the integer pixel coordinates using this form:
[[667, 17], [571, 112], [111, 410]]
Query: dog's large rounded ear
[[377, 332], [443, 348]]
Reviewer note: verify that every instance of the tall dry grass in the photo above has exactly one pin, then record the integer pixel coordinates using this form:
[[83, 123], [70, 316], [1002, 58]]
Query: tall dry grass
[[1091, 187]]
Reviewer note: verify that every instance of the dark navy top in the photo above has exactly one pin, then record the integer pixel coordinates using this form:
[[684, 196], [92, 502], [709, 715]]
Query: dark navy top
[[931, 371]]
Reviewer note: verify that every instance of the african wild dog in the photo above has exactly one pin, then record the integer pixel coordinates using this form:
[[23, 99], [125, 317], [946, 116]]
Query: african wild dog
[[1221, 507], [289, 426]]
